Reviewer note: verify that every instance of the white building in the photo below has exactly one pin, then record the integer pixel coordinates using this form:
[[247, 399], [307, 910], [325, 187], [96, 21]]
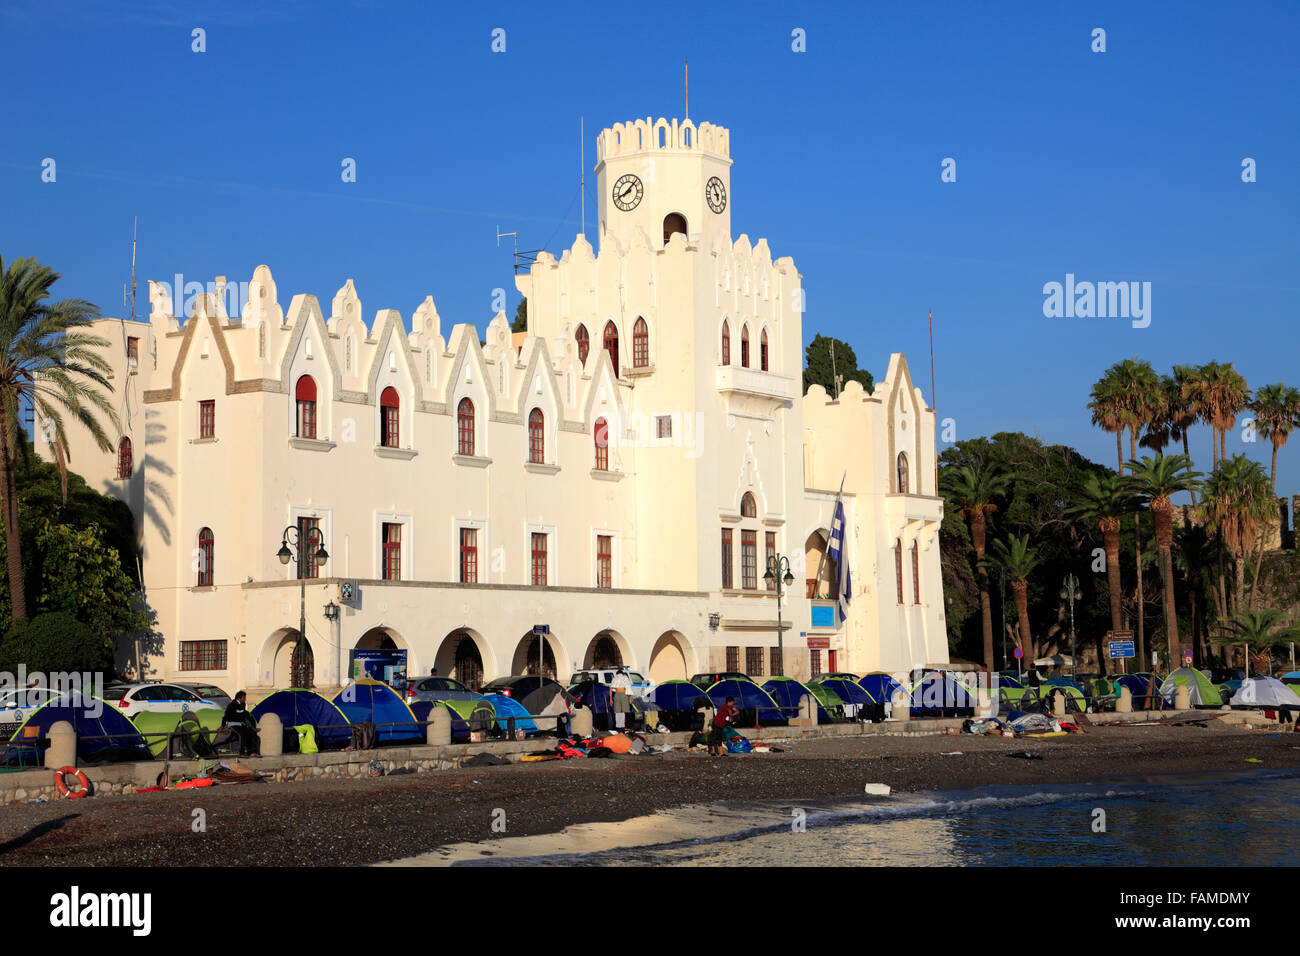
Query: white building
[[620, 473]]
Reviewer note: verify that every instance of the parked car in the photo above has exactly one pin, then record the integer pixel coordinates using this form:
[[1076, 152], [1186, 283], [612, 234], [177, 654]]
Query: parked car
[[705, 681], [16, 705], [132, 699], [438, 688], [840, 675], [537, 694], [211, 693], [640, 686]]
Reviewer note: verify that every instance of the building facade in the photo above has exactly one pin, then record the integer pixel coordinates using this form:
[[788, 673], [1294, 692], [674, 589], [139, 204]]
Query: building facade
[[620, 473]]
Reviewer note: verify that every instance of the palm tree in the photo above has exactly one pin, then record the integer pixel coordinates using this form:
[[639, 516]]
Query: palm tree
[[971, 494], [1182, 415], [1259, 632], [1157, 480], [1019, 560], [1106, 500], [1197, 553], [1237, 502], [1277, 414], [1107, 407], [1222, 394], [49, 364]]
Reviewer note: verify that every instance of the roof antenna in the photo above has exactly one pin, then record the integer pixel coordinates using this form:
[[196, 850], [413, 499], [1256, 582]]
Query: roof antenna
[[582, 169], [522, 259], [130, 297], [688, 88]]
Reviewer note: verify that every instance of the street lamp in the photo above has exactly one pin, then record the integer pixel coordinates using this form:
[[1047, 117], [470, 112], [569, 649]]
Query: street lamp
[[320, 556], [775, 564], [1070, 591]]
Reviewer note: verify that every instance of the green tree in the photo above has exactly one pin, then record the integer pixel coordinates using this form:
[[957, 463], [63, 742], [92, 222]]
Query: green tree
[[50, 364], [520, 324], [817, 366], [1237, 503], [82, 575], [1105, 499], [1277, 415], [971, 494], [55, 642], [1259, 632], [1020, 561]]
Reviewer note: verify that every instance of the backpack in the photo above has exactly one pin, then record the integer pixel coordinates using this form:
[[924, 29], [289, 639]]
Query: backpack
[[739, 745]]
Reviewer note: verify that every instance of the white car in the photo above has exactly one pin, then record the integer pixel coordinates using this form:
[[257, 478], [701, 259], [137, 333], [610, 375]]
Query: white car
[[17, 705], [635, 684], [132, 699]]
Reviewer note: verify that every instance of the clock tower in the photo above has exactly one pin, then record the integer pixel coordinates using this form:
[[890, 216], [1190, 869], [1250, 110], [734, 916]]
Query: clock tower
[[663, 177]]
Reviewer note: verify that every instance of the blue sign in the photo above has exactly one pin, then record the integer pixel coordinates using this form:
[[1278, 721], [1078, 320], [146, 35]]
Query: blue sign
[[388, 666], [823, 615], [540, 629], [1121, 650]]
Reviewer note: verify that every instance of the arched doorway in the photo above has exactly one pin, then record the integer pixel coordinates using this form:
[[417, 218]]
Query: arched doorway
[[603, 651], [610, 344], [463, 656], [377, 639], [815, 557], [525, 659], [669, 659], [293, 667], [673, 222]]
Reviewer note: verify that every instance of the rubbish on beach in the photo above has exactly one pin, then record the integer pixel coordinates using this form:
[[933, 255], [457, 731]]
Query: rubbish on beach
[[1050, 733], [950, 753], [762, 749], [533, 758], [376, 768], [485, 760], [1025, 755], [1253, 760], [36, 800], [1028, 724], [983, 725], [877, 789]]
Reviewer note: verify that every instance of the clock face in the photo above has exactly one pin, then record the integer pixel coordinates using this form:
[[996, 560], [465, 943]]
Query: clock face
[[628, 192], [716, 193]]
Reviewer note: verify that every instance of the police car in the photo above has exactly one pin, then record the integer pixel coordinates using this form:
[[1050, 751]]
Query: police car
[[17, 705]]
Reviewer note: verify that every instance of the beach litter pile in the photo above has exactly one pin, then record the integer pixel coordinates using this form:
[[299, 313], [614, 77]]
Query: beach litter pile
[[1026, 725]]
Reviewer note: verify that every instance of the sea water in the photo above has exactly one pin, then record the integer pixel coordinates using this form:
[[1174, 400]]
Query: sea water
[[1204, 820]]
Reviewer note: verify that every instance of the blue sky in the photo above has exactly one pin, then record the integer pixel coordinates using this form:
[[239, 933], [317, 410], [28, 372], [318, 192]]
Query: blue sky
[[1115, 166]]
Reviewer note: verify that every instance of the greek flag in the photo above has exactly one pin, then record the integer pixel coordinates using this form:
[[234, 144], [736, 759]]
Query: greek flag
[[843, 580]]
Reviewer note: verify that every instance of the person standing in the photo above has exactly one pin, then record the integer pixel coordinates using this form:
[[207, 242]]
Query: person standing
[[717, 736]]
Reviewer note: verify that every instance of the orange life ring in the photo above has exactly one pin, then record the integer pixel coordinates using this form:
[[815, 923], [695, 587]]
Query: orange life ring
[[62, 784]]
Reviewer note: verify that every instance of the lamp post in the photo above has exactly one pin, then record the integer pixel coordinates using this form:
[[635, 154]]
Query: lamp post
[[1070, 591], [332, 615], [286, 554], [775, 564]]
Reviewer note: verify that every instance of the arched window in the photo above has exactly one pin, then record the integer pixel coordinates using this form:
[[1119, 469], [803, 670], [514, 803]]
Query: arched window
[[726, 343], [611, 345], [261, 341], [744, 346], [536, 437], [389, 409], [465, 427], [584, 343], [640, 344], [898, 566], [205, 558], [747, 507], [347, 354], [306, 396], [902, 473], [916, 573], [762, 352], [600, 435], [673, 222], [124, 459]]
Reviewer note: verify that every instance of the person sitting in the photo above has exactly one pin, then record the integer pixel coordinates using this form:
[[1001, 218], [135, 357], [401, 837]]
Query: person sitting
[[242, 723]]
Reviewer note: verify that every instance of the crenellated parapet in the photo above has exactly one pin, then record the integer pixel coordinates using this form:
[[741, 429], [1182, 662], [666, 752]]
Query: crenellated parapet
[[662, 135]]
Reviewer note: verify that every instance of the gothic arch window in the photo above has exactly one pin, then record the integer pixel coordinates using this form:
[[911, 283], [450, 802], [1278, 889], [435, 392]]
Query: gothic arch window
[[898, 566], [305, 395], [206, 545], [125, 463], [640, 344], [673, 222], [536, 437], [747, 507], [903, 487], [465, 427], [726, 343], [428, 364], [347, 354], [584, 343], [762, 352], [611, 345], [261, 341], [916, 573], [744, 346], [390, 415]]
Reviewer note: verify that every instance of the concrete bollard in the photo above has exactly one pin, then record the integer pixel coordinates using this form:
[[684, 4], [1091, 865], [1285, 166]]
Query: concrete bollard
[[1182, 697], [900, 709], [62, 751], [271, 732], [808, 709], [1058, 703], [438, 732], [583, 723], [1124, 705]]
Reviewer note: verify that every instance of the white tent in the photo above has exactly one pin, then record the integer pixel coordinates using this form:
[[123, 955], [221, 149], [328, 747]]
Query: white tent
[[1264, 692]]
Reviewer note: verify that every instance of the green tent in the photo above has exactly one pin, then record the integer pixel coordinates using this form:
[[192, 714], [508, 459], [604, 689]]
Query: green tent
[[829, 700], [1203, 693], [149, 723]]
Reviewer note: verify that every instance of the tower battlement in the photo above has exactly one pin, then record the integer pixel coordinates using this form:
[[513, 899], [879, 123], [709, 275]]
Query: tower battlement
[[651, 135]]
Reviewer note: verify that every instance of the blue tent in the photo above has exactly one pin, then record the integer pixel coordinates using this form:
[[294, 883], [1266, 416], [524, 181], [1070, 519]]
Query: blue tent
[[509, 707], [297, 706], [788, 692], [1065, 682], [940, 694], [881, 686], [851, 692], [753, 701], [599, 699], [367, 699], [1139, 685], [478, 712], [90, 717], [677, 695]]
